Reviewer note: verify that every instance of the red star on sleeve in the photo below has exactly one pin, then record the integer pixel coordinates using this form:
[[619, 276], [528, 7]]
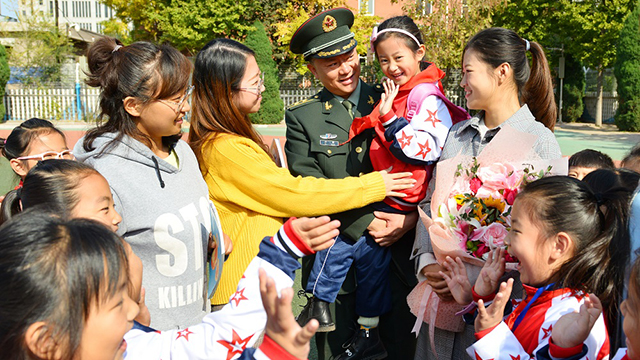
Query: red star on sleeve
[[238, 296], [236, 346], [424, 149], [514, 357], [184, 334], [405, 140], [432, 117], [547, 332], [480, 358]]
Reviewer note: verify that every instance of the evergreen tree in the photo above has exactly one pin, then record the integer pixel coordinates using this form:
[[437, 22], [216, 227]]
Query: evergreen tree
[[272, 107], [4, 77], [627, 71], [573, 90]]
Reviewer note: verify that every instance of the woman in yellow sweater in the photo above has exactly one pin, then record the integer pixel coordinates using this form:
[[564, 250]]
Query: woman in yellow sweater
[[252, 194]]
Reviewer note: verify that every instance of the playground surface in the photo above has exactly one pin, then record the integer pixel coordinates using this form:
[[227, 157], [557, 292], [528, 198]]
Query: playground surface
[[572, 137]]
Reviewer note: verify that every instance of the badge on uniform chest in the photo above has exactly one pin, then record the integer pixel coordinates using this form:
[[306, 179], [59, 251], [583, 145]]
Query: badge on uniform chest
[[328, 136], [329, 143]]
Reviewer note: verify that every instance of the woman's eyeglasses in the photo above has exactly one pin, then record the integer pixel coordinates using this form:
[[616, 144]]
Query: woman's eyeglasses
[[64, 154], [177, 106], [257, 89]]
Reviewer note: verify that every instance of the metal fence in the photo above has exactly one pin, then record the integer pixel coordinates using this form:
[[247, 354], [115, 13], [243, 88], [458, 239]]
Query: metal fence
[[81, 103], [609, 106], [55, 104]]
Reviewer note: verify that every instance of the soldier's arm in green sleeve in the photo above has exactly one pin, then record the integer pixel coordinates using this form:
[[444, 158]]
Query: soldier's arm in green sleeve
[[301, 162]]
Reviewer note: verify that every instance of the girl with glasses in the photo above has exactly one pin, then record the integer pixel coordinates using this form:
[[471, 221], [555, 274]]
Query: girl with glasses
[[154, 176], [32, 141], [251, 193]]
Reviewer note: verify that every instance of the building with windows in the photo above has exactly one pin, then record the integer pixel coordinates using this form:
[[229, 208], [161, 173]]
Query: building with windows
[[383, 8], [80, 14]]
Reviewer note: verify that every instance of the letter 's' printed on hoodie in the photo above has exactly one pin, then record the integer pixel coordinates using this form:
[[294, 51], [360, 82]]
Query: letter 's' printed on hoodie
[[166, 218], [176, 259]]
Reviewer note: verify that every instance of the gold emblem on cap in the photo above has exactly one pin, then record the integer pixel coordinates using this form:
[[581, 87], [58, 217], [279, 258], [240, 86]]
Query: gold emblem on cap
[[327, 106], [370, 102], [329, 23]]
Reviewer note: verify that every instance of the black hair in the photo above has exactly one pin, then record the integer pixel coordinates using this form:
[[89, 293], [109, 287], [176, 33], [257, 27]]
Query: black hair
[[634, 283], [141, 70], [598, 225], [590, 158], [51, 183], [403, 23], [54, 270], [19, 140], [496, 46], [632, 159], [601, 180]]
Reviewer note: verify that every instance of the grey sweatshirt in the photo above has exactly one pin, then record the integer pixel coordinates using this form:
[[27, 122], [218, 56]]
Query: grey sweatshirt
[[165, 217]]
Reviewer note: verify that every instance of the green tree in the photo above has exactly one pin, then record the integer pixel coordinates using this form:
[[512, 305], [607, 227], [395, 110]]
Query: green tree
[[272, 107], [4, 77], [573, 90], [627, 71], [448, 25], [541, 21], [190, 24], [594, 27], [40, 50], [588, 29], [296, 13]]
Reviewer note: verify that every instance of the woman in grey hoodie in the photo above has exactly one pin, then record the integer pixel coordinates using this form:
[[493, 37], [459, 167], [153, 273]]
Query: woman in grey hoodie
[[154, 176]]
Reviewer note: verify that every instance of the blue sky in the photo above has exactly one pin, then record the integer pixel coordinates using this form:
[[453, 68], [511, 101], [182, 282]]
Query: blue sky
[[9, 7]]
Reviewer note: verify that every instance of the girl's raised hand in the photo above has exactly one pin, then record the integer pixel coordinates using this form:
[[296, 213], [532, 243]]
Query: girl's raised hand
[[319, 233], [458, 281], [491, 316], [281, 325], [386, 99], [493, 269], [573, 329], [397, 181]]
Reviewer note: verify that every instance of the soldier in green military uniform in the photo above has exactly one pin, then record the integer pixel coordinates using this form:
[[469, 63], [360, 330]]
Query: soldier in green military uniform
[[317, 129]]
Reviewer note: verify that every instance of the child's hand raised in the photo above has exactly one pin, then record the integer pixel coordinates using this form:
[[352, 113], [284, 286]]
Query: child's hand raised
[[458, 281], [491, 316], [281, 325], [386, 99], [493, 269], [319, 233], [573, 329]]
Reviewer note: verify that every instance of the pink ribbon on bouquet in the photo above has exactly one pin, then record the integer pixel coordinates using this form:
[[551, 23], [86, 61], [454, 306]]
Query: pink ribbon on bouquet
[[429, 299]]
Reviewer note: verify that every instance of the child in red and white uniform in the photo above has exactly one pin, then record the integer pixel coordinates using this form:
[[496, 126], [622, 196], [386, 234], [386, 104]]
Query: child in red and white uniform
[[564, 236], [578, 325], [410, 135], [81, 266]]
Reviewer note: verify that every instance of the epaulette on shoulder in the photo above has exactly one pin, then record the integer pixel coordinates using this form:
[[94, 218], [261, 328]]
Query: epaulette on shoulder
[[309, 100], [378, 88]]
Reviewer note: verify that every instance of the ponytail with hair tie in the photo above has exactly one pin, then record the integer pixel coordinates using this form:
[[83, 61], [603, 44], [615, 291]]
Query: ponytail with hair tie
[[599, 200], [600, 236], [496, 46]]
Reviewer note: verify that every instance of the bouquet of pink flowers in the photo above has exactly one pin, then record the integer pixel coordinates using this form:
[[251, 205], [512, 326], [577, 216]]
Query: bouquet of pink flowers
[[470, 213], [477, 212]]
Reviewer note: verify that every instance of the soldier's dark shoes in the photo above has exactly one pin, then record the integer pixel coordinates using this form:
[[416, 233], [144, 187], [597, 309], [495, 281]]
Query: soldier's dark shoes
[[365, 345], [319, 310]]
